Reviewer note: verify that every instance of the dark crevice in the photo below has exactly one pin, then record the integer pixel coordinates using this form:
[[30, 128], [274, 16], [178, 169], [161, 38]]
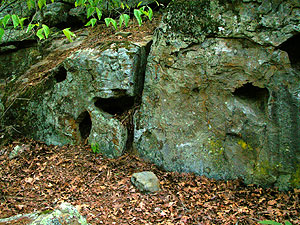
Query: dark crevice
[[122, 106], [115, 106], [13, 46], [292, 47], [85, 125], [73, 22], [253, 95], [61, 74]]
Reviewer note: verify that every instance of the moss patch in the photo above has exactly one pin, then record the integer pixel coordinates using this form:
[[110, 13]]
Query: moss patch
[[296, 178]]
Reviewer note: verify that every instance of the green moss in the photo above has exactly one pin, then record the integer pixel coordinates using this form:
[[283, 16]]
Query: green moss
[[47, 211], [244, 145], [262, 169], [191, 17], [295, 181], [215, 147]]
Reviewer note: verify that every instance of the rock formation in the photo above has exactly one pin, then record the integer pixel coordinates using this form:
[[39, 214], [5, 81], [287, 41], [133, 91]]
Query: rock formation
[[219, 96], [222, 95]]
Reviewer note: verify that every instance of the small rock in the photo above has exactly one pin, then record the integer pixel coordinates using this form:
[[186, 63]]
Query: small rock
[[64, 214], [145, 181], [16, 151]]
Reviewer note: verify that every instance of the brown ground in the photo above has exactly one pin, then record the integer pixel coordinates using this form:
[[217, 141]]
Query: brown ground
[[44, 176]]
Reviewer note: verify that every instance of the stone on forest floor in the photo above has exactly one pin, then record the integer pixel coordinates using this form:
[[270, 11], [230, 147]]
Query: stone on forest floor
[[145, 181], [65, 213], [16, 151]]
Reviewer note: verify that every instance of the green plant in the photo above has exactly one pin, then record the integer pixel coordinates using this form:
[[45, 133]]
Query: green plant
[[94, 9], [274, 223], [95, 148]]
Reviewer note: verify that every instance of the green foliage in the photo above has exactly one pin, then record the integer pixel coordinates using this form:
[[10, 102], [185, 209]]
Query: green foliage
[[111, 21], [69, 34], [124, 18], [274, 223], [95, 148], [142, 11], [1, 33], [94, 9]]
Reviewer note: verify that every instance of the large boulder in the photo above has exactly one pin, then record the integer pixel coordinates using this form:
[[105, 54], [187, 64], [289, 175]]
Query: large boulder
[[84, 99], [222, 92]]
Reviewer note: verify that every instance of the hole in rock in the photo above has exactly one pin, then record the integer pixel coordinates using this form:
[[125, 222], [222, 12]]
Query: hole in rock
[[292, 47], [85, 124], [115, 105], [254, 95], [61, 74]]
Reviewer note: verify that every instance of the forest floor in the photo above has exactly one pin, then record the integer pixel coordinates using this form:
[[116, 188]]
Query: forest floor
[[42, 177]]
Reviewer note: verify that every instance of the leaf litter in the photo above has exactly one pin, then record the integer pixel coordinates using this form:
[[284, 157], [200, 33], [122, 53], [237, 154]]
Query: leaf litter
[[43, 176]]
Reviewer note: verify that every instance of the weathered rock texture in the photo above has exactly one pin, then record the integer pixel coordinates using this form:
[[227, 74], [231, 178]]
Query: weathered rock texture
[[222, 91], [65, 213], [84, 97]]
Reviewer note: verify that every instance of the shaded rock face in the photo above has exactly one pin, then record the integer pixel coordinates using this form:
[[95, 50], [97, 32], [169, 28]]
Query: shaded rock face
[[221, 94]]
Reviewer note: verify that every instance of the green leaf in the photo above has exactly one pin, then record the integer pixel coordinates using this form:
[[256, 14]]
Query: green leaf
[[92, 3], [138, 5], [15, 20], [21, 21], [112, 21], [91, 22], [40, 34], [90, 11], [99, 13], [1, 33], [46, 30], [150, 13], [5, 20], [288, 223], [30, 4], [69, 34], [124, 18], [122, 5], [269, 222], [41, 3], [137, 14], [30, 27]]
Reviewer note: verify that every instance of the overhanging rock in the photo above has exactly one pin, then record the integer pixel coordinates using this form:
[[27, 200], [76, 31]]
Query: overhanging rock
[[84, 98]]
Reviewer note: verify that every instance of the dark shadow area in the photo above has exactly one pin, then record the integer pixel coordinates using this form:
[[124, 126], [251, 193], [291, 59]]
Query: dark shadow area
[[85, 124], [115, 106], [61, 74], [13, 46], [254, 95], [73, 22], [292, 47]]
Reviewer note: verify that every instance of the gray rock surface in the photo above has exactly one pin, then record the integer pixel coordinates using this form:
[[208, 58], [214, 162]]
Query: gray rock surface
[[221, 95], [65, 213], [145, 182], [17, 150], [84, 98]]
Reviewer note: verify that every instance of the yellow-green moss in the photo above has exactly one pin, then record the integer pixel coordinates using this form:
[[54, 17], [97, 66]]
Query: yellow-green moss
[[215, 147], [296, 178], [244, 145]]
